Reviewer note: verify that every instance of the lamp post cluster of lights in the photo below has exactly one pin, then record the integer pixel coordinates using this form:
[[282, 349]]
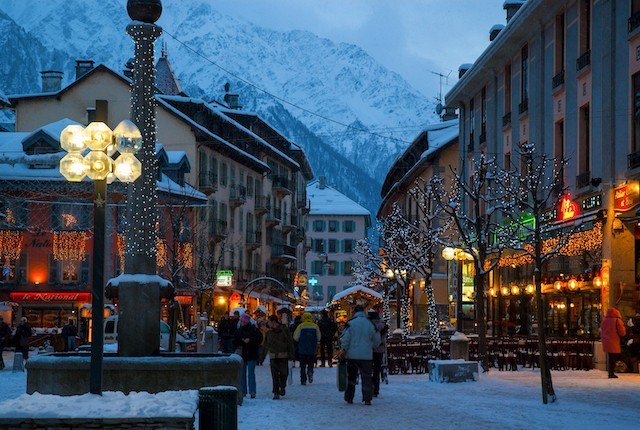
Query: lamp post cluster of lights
[[459, 255], [90, 152]]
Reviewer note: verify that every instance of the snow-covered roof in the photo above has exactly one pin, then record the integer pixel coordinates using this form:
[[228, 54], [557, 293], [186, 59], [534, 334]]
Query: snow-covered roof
[[329, 201], [440, 134], [356, 289]]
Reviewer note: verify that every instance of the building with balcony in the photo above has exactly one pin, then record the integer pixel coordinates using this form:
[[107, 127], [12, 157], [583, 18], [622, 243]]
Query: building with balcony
[[333, 226], [538, 82]]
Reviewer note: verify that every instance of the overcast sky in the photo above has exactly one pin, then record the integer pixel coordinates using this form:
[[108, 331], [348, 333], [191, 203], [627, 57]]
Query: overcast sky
[[411, 37]]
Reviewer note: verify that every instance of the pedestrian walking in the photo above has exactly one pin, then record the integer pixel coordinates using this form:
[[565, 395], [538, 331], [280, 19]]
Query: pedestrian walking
[[307, 336], [278, 344], [613, 330], [5, 333], [328, 330], [378, 351], [226, 331], [248, 339], [69, 333], [358, 340], [21, 337]]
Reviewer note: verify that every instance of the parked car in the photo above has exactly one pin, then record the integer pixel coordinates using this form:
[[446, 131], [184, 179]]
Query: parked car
[[111, 334]]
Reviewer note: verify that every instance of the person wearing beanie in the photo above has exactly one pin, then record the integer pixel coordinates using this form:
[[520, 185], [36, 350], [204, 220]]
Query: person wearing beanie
[[328, 330], [247, 340], [307, 336], [358, 340]]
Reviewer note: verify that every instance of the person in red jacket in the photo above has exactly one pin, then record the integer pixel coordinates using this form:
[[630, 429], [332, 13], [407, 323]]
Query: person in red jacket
[[612, 330]]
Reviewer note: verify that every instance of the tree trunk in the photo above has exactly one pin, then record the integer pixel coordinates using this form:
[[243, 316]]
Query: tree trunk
[[545, 372], [434, 325], [480, 321]]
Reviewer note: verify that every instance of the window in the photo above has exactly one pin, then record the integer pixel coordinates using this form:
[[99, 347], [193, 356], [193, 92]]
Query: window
[[318, 245], [331, 291], [348, 245], [559, 45], [224, 174], [250, 186], [483, 116], [585, 26], [15, 271], [558, 149], [524, 79], [333, 225], [584, 150], [318, 225], [333, 245], [232, 175], [332, 268], [241, 220], [348, 267], [316, 267], [507, 88], [472, 125], [349, 226], [70, 217], [15, 214], [69, 272], [232, 219]]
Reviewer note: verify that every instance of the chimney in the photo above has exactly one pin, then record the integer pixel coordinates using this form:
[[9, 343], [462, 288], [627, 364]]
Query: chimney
[[82, 67], [128, 68], [495, 30], [463, 69], [232, 100], [51, 81], [512, 6], [322, 182]]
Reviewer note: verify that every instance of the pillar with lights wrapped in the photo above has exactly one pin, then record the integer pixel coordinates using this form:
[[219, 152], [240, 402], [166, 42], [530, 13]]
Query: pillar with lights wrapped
[[139, 296]]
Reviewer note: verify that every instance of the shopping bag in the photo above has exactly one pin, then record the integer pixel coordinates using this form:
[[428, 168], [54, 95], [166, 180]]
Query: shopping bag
[[342, 374]]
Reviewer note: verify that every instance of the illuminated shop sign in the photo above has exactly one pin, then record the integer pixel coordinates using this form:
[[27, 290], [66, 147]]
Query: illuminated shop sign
[[625, 196], [568, 209], [224, 278], [50, 297]]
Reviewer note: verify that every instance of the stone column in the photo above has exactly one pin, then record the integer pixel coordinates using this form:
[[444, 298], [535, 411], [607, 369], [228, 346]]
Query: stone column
[[139, 297]]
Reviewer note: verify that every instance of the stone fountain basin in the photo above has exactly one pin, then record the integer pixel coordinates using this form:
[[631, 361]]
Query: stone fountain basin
[[67, 374]]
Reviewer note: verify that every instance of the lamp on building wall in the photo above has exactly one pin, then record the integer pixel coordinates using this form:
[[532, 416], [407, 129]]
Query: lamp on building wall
[[89, 154]]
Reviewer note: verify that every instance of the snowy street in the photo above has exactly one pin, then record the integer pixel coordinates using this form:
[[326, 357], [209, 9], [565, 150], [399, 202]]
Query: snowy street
[[505, 400]]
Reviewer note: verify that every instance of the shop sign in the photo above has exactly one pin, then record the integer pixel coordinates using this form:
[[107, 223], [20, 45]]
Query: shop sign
[[185, 300], [224, 278], [625, 196], [50, 297], [568, 209]]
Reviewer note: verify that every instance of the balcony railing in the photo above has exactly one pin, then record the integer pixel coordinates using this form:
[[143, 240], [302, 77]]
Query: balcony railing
[[281, 184], [583, 179], [253, 239], [633, 160], [262, 205], [634, 21], [282, 250], [208, 179], [557, 80], [506, 119], [523, 106], [237, 195], [583, 61]]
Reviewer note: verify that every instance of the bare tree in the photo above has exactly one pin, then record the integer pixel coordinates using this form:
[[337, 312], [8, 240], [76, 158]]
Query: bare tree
[[535, 191], [477, 226]]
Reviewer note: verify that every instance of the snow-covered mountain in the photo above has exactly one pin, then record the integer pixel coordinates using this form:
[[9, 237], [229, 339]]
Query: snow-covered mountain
[[350, 114]]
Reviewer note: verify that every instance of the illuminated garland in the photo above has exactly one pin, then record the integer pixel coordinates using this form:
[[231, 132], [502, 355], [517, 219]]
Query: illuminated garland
[[121, 244], [69, 245], [161, 252], [386, 309], [10, 244], [404, 316], [434, 325], [577, 244], [185, 255]]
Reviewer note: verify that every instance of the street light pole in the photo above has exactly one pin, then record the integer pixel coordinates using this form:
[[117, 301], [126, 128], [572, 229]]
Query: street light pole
[[97, 289]]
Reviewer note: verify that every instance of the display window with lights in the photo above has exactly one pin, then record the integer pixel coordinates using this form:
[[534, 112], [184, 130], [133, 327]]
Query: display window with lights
[[14, 271], [69, 271]]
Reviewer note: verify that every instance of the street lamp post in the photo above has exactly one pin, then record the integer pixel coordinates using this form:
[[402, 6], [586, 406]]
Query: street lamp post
[[98, 165], [450, 254]]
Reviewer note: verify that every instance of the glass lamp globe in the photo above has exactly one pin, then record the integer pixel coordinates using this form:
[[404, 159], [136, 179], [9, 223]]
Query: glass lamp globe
[[98, 165], [73, 138], [128, 138], [448, 253], [127, 168], [99, 136], [73, 167]]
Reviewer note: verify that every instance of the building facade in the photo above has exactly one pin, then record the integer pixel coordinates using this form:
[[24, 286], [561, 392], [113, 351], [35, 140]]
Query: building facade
[[334, 225], [564, 76]]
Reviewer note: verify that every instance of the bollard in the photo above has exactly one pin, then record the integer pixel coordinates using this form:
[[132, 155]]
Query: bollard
[[459, 344], [18, 362], [218, 408]]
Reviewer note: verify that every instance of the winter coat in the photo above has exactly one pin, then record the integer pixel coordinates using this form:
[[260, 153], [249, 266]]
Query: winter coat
[[227, 328], [248, 351], [278, 343], [359, 338], [68, 331], [328, 327], [22, 335], [5, 333], [307, 335], [612, 330], [381, 328]]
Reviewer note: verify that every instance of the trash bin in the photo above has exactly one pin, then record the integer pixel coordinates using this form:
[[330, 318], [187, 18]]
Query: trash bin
[[459, 346], [218, 408]]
